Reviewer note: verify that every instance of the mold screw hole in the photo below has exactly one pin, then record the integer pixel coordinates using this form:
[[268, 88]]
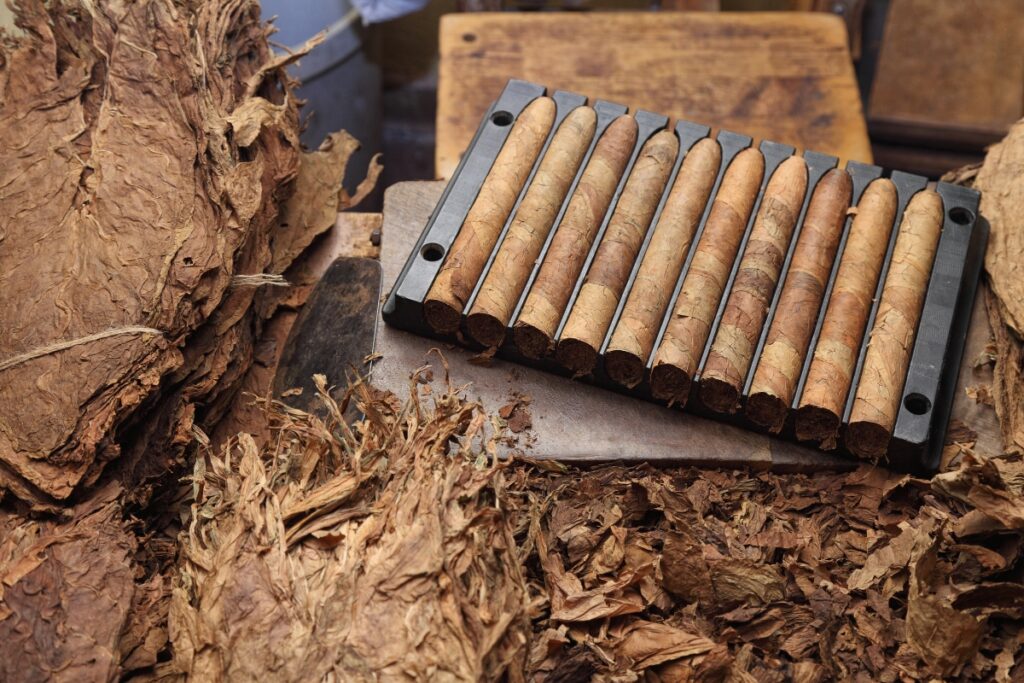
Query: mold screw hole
[[960, 215], [917, 404], [432, 252], [502, 118]]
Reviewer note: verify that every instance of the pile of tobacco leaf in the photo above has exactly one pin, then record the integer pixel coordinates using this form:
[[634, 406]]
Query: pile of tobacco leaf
[[147, 154], [151, 181]]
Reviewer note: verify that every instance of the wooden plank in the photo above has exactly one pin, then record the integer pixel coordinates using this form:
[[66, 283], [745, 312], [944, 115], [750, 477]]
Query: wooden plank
[[950, 72], [781, 76]]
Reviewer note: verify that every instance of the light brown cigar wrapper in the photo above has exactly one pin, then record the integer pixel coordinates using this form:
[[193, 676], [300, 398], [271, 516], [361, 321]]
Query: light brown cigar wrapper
[[778, 368], [514, 261], [599, 296], [733, 348], [486, 217], [877, 401], [573, 238], [633, 340], [687, 333], [828, 379]]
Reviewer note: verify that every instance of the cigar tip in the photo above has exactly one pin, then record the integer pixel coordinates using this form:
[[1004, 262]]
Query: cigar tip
[[624, 368], [576, 355], [669, 383], [814, 423], [719, 395], [867, 440], [485, 329], [530, 341], [441, 316], [766, 410]]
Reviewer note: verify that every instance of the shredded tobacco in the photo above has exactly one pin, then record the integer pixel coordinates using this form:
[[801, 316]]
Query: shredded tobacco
[[402, 549]]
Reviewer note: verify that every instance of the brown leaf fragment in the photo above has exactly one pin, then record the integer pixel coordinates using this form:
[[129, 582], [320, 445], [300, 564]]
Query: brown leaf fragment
[[944, 637], [645, 644], [742, 582], [979, 483], [892, 557], [70, 607], [320, 544]]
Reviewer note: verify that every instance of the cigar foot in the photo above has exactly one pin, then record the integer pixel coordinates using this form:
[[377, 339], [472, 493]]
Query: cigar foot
[[817, 424], [720, 396], [624, 368], [531, 342], [578, 356], [766, 410], [669, 383], [441, 317], [486, 329], [867, 440]]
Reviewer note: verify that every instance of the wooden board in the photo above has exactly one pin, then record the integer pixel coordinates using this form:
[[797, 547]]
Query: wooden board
[[575, 422], [950, 72], [780, 76]]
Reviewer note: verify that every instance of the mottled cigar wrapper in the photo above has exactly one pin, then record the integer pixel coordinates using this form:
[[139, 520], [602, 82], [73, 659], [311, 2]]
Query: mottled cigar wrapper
[[514, 261], [479, 232], [879, 390], [835, 355], [549, 295], [633, 340], [687, 333], [595, 306], [733, 348], [778, 369]]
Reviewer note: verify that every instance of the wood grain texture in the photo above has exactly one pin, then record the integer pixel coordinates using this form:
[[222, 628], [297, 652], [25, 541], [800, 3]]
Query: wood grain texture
[[781, 76], [949, 71]]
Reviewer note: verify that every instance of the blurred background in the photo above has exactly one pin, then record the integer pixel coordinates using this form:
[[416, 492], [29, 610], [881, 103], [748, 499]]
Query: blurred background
[[935, 81]]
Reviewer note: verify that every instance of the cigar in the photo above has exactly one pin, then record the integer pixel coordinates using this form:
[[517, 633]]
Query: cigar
[[633, 340], [778, 369], [877, 400], [514, 261], [828, 379], [681, 348], [546, 302], [479, 232], [733, 348], [594, 307]]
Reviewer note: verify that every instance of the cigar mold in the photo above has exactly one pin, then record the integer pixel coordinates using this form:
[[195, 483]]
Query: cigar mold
[[929, 386]]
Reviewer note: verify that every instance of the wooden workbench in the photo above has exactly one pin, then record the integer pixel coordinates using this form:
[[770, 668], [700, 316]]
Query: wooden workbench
[[783, 76]]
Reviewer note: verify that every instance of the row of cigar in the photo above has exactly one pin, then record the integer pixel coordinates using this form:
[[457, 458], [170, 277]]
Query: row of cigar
[[711, 265]]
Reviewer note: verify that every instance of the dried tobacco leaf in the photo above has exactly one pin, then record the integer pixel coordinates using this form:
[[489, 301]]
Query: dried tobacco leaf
[[1002, 201], [381, 556], [71, 608], [130, 203]]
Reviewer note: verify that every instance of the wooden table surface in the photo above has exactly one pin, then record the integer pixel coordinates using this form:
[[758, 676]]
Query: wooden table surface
[[782, 76]]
